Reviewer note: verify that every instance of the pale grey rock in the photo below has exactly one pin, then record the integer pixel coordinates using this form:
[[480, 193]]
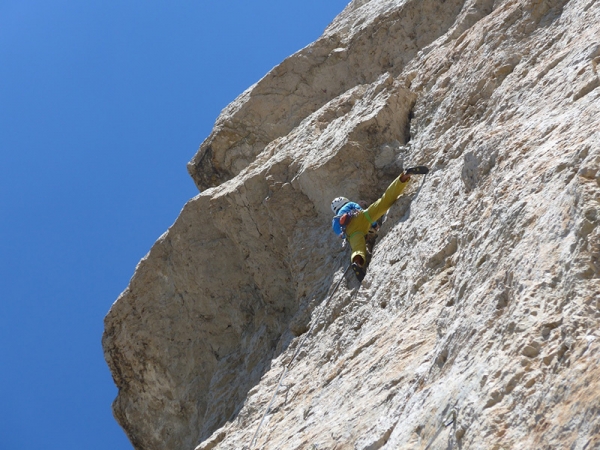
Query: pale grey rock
[[481, 305], [364, 42]]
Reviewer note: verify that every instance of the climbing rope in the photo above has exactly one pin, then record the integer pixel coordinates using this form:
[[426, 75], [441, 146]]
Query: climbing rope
[[289, 364]]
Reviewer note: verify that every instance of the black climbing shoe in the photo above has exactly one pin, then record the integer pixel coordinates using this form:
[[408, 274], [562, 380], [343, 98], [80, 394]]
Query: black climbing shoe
[[359, 272], [417, 170]]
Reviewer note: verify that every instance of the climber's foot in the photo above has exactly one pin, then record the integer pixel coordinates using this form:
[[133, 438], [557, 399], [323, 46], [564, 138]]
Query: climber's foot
[[359, 271]]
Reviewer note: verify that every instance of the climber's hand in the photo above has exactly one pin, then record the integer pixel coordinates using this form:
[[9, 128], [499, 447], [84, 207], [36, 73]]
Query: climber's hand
[[404, 177]]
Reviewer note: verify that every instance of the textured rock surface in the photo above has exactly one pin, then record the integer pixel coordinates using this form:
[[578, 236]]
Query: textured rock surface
[[482, 297]]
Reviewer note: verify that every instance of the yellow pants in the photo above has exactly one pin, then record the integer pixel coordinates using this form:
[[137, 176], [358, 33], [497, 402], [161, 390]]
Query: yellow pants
[[359, 225]]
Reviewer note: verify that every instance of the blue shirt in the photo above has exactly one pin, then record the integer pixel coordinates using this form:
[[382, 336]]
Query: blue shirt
[[335, 223]]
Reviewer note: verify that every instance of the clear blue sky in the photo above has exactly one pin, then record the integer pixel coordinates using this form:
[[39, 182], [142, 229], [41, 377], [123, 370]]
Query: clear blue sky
[[102, 103]]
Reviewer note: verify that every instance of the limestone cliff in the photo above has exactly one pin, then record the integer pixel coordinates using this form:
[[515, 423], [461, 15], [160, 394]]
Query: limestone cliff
[[476, 326]]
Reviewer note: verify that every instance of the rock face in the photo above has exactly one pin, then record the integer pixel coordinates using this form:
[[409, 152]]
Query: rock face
[[477, 323]]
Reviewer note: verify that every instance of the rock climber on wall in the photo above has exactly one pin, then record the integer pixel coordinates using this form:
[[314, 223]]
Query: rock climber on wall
[[353, 223]]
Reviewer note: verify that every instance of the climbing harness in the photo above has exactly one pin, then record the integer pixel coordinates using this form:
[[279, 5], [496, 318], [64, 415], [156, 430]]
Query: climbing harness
[[346, 218], [289, 364]]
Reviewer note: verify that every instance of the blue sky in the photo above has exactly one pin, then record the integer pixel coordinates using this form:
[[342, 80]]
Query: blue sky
[[102, 103]]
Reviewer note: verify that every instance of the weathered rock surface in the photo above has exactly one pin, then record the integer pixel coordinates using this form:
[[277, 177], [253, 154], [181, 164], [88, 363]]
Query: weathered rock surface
[[481, 305]]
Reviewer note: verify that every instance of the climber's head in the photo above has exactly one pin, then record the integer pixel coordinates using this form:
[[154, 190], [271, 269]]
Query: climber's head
[[337, 204]]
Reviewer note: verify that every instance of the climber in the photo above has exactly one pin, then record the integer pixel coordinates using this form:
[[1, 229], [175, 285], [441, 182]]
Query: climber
[[353, 222]]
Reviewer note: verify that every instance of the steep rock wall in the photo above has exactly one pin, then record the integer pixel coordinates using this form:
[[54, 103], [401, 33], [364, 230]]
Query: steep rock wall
[[481, 302]]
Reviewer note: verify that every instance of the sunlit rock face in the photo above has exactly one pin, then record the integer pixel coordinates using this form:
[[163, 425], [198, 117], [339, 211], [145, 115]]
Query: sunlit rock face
[[477, 325]]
